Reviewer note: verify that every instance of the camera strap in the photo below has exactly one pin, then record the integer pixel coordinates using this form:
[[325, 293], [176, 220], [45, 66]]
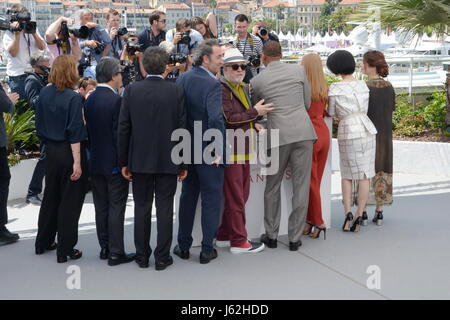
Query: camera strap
[[250, 41], [28, 41]]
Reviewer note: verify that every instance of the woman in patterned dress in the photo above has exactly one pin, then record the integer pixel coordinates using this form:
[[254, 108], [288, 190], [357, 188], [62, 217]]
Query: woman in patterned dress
[[348, 100], [381, 107]]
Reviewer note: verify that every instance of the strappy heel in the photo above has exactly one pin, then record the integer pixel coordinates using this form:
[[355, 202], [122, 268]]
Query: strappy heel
[[356, 225], [315, 235], [347, 222]]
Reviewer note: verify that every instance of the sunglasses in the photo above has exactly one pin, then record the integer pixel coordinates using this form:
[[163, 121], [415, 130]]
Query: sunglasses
[[163, 21], [235, 67]]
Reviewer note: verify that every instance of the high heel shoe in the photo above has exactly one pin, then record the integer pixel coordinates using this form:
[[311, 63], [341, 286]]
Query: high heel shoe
[[347, 222], [378, 218], [310, 228], [364, 219], [74, 255], [315, 235], [356, 225]]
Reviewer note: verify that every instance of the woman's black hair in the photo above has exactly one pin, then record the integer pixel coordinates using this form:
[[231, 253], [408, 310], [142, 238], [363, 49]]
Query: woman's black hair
[[341, 62]]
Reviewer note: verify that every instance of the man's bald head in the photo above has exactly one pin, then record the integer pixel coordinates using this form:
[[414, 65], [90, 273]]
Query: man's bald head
[[272, 49], [271, 52]]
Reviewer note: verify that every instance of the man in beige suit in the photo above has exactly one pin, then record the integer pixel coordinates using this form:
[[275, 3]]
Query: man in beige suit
[[286, 86]]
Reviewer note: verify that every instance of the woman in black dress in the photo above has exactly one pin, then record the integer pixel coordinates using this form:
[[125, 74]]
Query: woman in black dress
[[381, 107], [59, 122]]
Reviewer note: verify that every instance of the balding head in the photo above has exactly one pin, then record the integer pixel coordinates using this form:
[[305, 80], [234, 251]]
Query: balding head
[[271, 52]]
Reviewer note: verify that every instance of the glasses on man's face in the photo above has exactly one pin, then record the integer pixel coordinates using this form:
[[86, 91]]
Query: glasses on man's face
[[235, 67], [163, 20]]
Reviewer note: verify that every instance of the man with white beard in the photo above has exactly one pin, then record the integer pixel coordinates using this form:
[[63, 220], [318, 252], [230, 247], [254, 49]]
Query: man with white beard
[[239, 115]]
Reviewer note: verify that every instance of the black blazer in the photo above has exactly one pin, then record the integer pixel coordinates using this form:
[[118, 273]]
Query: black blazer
[[101, 111], [151, 110]]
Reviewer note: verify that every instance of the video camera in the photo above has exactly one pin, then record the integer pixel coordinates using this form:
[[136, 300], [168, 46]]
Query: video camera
[[24, 19], [133, 47], [82, 32]]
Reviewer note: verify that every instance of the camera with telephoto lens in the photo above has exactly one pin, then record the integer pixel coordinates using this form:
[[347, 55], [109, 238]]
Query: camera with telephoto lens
[[185, 37], [25, 23], [254, 61], [177, 57], [82, 32], [133, 47], [263, 31], [100, 48], [122, 31]]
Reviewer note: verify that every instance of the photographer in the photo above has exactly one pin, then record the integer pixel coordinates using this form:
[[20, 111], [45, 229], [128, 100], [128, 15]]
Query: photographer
[[20, 44], [153, 36], [131, 59], [183, 37], [249, 45], [96, 44], [57, 41], [260, 30], [116, 34], [34, 82], [177, 63], [38, 78]]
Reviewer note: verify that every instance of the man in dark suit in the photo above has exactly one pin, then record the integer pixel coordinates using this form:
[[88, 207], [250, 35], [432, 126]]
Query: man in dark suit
[[152, 109], [204, 109], [109, 188]]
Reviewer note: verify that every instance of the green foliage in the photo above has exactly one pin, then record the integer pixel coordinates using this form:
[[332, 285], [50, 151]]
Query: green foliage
[[434, 113], [407, 119], [336, 21], [19, 129], [331, 78], [412, 120], [415, 16]]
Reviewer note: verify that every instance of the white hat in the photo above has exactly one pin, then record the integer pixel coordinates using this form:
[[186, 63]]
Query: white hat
[[233, 55]]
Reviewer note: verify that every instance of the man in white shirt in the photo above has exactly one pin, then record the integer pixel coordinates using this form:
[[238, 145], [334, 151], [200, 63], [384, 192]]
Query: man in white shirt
[[19, 47]]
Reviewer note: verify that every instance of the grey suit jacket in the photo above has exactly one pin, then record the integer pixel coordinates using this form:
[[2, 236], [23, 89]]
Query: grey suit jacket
[[286, 86]]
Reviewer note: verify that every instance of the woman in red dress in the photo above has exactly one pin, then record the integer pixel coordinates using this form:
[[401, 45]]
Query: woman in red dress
[[319, 94]]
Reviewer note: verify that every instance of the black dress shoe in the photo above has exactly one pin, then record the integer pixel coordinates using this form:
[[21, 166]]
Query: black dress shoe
[[142, 263], [7, 237], [39, 250], [271, 243], [104, 254], [293, 246], [163, 264], [74, 255], [183, 254], [116, 259], [207, 257]]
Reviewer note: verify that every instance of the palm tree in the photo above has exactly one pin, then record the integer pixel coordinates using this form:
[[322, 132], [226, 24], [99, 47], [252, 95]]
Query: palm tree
[[212, 4], [413, 16]]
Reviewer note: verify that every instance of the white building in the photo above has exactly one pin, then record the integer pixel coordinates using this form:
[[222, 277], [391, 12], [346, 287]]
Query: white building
[[174, 12]]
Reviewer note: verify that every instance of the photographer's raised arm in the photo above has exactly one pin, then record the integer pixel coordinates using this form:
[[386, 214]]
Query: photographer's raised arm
[[39, 42], [54, 29], [14, 45], [76, 50]]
